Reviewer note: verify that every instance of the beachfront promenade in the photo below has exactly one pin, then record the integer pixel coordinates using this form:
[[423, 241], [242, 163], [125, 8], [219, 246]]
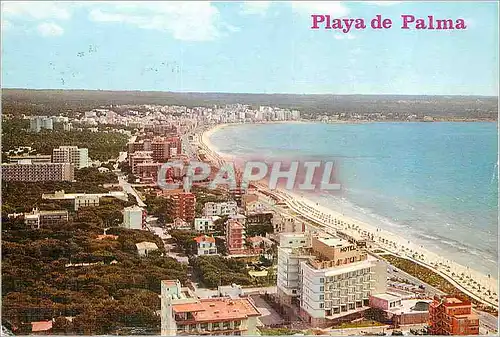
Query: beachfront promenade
[[481, 287]]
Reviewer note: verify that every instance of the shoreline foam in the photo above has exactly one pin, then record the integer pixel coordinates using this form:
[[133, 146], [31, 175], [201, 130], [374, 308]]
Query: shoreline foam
[[397, 244]]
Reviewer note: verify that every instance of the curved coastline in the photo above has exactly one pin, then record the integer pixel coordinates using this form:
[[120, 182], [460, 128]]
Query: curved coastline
[[396, 244]]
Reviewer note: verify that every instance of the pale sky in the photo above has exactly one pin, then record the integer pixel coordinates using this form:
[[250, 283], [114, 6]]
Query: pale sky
[[253, 47]]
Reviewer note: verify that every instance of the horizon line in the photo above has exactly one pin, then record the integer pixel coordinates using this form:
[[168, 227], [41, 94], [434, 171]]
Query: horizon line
[[243, 93]]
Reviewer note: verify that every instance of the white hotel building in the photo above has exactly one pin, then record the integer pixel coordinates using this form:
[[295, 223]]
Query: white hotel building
[[327, 277]]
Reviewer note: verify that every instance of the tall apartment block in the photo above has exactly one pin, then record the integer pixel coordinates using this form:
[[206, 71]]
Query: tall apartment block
[[451, 316], [235, 236], [182, 205], [25, 170], [133, 217], [162, 148], [327, 277], [139, 157], [37, 123], [71, 154]]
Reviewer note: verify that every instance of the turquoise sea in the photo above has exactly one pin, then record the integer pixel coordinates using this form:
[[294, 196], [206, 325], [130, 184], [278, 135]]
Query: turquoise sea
[[433, 183]]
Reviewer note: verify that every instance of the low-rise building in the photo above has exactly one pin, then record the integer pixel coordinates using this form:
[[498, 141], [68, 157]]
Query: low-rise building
[[41, 327], [37, 219], [385, 301], [400, 311], [180, 224], [259, 218], [255, 206], [185, 315], [205, 245], [260, 242], [145, 247], [84, 199], [89, 200], [225, 208], [205, 224]]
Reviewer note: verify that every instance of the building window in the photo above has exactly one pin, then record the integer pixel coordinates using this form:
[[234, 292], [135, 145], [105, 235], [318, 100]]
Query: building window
[[321, 288], [321, 305], [321, 297], [322, 280]]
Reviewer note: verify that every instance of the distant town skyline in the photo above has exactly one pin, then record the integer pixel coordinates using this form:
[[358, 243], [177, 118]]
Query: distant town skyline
[[247, 47]]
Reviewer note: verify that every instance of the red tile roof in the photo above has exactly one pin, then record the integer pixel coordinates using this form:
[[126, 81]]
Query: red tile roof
[[41, 326], [255, 239], [219, 309], [106, 236], [236, 225], [204, 238]]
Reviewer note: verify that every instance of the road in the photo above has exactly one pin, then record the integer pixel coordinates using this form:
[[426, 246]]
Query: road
[[396, 273], [187, 146], [376, 329], [488, 321], [205, 292], [269, 315], [129, 189]]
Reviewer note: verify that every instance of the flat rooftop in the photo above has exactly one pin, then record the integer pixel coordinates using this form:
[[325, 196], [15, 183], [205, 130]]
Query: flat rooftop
[[332, 241], [408, 307], [56, 212], [219, 309], [453, 300], [387, 297], [347, 268], [292, 235]]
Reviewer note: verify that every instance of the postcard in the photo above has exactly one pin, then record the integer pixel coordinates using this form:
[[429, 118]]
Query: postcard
[[249, 168]]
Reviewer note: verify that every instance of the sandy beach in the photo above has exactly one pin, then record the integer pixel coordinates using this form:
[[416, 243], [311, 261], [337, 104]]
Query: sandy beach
[[482, 287]]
